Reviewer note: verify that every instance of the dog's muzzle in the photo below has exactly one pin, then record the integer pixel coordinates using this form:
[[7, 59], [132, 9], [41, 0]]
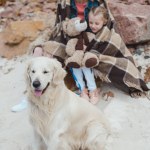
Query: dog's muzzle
[[37, 91]]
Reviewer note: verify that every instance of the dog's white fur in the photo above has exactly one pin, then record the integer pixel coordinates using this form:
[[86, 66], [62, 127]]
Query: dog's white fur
[[60, 118]]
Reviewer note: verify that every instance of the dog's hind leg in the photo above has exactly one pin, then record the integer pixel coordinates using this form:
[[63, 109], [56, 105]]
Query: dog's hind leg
[[97, 137]]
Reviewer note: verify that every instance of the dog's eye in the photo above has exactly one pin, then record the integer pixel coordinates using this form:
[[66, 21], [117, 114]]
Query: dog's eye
[[45, 72], [33, 71]]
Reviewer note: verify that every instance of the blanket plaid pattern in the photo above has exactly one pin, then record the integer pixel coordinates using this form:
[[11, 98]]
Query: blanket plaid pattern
[[116, 62]]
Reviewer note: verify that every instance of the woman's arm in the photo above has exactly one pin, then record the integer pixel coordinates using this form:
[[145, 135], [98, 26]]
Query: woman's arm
[[42, 38]]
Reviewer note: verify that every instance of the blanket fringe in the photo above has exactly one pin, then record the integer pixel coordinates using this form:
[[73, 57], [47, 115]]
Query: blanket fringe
[[101, 76], [130, 84]]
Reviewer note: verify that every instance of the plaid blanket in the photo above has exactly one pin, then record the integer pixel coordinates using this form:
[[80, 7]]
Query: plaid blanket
[[116, 62]]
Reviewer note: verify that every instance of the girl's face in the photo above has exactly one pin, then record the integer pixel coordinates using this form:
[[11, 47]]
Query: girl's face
[[96, 22]]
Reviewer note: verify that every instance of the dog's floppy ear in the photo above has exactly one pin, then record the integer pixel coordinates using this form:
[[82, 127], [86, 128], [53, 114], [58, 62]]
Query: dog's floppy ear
[[27, 77], [59, 73]]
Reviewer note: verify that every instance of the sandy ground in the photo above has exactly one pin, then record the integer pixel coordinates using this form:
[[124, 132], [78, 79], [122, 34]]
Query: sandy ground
[[128, 117]]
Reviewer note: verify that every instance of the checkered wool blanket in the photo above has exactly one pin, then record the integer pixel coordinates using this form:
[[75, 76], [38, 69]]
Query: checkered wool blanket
[[116, 62]]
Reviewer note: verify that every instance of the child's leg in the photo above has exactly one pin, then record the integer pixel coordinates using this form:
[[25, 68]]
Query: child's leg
[[91, 84], [78, 77], [89, 76]]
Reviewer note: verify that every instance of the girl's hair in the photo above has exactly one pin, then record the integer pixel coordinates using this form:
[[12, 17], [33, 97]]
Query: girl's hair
[[99, 11]]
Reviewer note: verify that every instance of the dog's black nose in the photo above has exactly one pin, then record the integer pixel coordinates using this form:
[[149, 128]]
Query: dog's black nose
[[36, 84]]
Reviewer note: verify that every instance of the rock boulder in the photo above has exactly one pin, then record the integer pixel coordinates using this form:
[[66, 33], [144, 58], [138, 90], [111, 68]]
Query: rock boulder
[[133, 19]]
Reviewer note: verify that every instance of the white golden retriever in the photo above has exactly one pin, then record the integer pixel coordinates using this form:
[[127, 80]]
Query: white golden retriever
[[60, 118]]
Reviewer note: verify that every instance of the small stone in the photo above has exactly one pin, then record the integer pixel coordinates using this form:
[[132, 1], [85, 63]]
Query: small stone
[[108, 95]]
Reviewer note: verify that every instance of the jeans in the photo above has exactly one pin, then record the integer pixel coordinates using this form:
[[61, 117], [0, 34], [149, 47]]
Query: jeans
[[79, 75]]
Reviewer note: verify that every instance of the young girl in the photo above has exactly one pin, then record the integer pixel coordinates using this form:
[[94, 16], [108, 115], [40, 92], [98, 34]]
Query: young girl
[[97, 18], [91, 94]]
